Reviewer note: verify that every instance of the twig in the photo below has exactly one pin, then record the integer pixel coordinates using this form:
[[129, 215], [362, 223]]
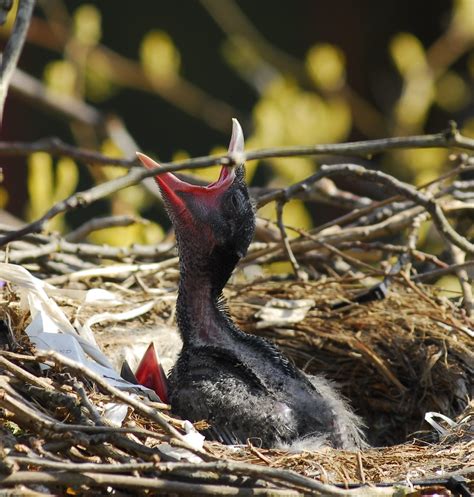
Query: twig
[[85, 250], [24, 375], [100, 224], [102, 480], [65, 106], [13, 49], [389, 247], [57, 148], [436, 273], [139, 406], [459, 257], [113, 271], [360, 466], [408, 191], [286, 242], [451, 138], [342, 255]]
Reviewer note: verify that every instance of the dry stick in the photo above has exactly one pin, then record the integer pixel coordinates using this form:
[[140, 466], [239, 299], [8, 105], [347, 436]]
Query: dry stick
[[357, 213], [57, 148], [330, 248], [89, 250], [29, 416], [272, 475], [458, 257], [81, 467], [388, 247], [100, 224], [386, 227], [24, 375], [113, 271], [436, 273], [408, 191], [450, 138], [100, 480], [286, 242], [139, 406], [13, 49], [69, 108]]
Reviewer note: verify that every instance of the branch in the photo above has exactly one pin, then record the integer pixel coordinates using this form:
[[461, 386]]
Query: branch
[[137, 483], [450, 138], [139, 406], [65, 106], [459, 257], [101, 223], [13, 49], [57, 148], [404, 189]]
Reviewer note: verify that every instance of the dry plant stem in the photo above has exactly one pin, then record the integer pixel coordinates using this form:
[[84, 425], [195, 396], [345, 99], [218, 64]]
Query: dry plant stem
[[387, 227], [408, 191], [13, 48], [69, 108], [139, 406], [334, 250], [100, 224], [100, 480], [121, 270], [24, 375], [436, 273], [398, 249], [451, 138], [28, 416], [358, 213], [57, 148], [81, 392], [88, 250], [271, 475], [459, 257], [285, 240]]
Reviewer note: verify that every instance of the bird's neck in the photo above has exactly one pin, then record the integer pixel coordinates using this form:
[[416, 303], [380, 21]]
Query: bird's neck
[[201, 321]]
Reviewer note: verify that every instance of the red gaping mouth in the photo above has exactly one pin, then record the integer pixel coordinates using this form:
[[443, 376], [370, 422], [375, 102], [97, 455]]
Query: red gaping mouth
[[171, 185]]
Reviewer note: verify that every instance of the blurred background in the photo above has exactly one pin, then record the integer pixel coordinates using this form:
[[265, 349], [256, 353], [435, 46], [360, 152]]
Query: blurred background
[[167, 77]]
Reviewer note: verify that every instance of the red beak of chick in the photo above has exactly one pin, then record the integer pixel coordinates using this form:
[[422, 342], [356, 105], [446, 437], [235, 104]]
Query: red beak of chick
[[171, 186]]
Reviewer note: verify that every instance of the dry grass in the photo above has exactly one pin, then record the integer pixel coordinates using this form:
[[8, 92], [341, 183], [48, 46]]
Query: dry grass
[[395, 359]]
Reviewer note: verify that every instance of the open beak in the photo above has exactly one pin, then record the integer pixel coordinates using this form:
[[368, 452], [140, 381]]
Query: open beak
[[171, 186]]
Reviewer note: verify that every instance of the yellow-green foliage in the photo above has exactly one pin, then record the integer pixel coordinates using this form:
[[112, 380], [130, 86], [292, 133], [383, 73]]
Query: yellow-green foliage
[[316, 105], [159, 57], [49, 183], [87, 25], [325, 64], [127, 201]]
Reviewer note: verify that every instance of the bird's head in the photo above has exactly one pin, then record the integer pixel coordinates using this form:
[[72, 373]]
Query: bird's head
[[214, 224]]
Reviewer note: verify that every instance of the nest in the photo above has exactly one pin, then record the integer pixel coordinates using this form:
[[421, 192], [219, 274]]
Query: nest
[[398, 355], [395, 359]]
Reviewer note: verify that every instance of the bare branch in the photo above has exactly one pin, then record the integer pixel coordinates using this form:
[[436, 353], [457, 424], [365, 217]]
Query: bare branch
[[459, 257], [100, 224], [64, 106], [139, 406], [451, 138], [13, 49]]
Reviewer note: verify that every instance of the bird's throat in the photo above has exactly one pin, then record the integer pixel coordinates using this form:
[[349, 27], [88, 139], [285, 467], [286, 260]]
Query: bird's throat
[[199, 318]]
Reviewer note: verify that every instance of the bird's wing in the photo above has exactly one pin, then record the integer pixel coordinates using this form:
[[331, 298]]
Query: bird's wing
[[235, 413]]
